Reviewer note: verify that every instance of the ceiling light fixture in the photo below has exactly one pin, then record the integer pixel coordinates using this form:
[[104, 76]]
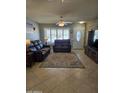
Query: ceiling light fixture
[[61, 22], [81, 22]]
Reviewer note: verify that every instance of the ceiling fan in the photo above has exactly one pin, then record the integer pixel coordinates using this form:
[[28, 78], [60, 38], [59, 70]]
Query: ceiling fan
[[62, 23]]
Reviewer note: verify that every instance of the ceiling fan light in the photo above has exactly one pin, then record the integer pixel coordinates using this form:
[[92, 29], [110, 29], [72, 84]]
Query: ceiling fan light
[[61, 24]]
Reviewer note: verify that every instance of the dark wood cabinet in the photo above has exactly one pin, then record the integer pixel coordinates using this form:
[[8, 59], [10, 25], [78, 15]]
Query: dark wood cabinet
[[92, 53]]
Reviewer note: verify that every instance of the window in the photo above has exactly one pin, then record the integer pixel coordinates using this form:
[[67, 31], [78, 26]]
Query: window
[[47, 34], [66, 34], [78, 36], [56, 33], [53, 35], [60, 34]]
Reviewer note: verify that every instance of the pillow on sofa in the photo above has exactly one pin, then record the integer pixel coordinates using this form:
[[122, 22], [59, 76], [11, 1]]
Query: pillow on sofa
[[38, 47], [41, 45], [32, 48]]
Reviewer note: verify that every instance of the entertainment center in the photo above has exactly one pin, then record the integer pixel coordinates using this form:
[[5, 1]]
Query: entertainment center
[[91, 50]]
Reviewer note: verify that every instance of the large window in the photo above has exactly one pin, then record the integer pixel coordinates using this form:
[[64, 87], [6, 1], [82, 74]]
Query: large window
[[56, 33]]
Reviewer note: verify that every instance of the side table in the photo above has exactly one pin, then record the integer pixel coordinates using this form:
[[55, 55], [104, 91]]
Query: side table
[[29, 59]]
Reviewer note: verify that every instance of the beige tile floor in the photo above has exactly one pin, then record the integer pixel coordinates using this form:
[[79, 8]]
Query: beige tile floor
[[64, 80]]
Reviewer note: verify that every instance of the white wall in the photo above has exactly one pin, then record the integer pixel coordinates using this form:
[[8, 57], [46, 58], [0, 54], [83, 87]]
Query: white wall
[[30, 32]]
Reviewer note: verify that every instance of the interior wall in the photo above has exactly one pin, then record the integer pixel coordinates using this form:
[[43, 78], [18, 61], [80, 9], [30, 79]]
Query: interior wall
[[90, 25], [32, 30]]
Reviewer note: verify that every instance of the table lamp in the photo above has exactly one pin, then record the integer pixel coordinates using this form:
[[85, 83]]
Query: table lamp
[[46, 38], [27, 42]]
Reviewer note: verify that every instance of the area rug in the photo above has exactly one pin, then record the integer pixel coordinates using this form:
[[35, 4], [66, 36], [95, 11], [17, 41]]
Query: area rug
[[62, 60]]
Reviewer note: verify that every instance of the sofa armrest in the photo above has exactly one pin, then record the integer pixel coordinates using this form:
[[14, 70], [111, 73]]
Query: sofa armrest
[[29, 53], [53, 46]]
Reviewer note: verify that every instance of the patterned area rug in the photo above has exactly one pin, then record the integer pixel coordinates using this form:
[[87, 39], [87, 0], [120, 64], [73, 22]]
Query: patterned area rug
[[62, 60]]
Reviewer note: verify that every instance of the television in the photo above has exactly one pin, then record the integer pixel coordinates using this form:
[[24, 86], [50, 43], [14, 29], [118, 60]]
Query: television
[[93, 39], [95, 43]]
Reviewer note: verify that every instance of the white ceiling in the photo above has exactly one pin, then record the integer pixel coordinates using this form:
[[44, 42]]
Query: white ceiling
[[49, 11]]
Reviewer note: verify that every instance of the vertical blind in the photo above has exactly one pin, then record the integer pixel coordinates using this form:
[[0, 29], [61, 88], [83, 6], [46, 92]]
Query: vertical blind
[[56, 33]]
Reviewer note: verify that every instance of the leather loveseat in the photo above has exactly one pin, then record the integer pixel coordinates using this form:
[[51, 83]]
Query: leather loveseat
[[62, 46], [39, 50]]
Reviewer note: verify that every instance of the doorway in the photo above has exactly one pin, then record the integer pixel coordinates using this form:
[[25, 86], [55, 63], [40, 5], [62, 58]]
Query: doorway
[[78, 36]]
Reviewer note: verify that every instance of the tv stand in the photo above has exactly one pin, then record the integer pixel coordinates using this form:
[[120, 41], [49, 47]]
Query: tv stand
[[92, 53], [91, 50]]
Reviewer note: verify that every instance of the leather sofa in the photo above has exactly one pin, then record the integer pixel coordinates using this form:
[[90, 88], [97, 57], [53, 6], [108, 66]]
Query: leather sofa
[[39, 50], [62, 46]]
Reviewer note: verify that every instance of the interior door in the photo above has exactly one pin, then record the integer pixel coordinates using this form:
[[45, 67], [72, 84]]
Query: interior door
[[78, 36]]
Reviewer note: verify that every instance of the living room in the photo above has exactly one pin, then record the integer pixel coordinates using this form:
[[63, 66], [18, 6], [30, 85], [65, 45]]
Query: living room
[[62, 46]]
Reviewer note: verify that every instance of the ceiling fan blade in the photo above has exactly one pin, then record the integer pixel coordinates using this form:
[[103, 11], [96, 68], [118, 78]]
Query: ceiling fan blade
[[68, 22]]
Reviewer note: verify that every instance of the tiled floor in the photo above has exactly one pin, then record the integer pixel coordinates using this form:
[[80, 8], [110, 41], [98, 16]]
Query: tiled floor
[[64, 80]]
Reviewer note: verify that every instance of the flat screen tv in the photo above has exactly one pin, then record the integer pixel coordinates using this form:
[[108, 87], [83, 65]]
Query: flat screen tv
[[95, 41], [93, 38]]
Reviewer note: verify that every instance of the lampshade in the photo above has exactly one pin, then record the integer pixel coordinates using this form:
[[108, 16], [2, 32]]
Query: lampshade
[[28, 42], [46, 38]]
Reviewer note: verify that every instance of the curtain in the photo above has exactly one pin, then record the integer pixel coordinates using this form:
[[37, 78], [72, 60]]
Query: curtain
[[51, 34]]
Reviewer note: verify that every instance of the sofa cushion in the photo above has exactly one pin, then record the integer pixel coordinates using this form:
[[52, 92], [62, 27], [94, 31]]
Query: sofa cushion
[[58, 46], [34, 43], [64, 46], [41, 45], [44, 52], [38, 47], [39, 42]]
